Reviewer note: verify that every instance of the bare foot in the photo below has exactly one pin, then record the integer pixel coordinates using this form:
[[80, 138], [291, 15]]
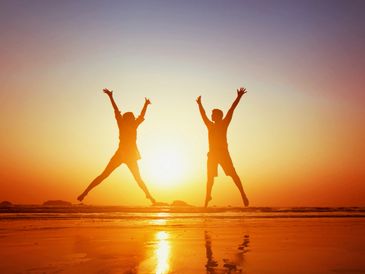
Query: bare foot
[[207, 200], [149, 197], [81, 197], [245, 201]]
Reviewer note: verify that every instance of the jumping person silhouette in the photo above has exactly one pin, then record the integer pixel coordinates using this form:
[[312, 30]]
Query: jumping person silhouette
[[218, 146], [127, 152]]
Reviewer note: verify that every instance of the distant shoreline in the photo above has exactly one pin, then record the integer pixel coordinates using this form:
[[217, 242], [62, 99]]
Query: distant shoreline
[[170, 212]]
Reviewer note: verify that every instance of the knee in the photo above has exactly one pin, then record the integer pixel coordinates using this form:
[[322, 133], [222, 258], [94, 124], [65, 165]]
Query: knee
[[137, 176], [235, 177], [210, 181], [103, 175], [139, 180]]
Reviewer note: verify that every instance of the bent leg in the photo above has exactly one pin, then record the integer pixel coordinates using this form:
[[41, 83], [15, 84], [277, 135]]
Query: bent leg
[[113, 164], [133, 167], [238, 183]]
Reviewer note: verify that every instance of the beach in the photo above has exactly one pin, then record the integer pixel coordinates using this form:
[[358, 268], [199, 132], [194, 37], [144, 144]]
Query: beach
[[122, 240]]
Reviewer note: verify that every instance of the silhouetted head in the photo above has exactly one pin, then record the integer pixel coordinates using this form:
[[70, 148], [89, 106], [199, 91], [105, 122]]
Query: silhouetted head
[[129, 117], [217, 115]]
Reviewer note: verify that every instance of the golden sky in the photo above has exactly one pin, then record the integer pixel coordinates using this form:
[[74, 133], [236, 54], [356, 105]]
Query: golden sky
[[296, 139]]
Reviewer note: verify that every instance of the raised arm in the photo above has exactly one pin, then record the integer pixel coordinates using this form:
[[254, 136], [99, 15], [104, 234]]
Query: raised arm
[[144, 109], [229, 114], [115, 107], [207, 122]]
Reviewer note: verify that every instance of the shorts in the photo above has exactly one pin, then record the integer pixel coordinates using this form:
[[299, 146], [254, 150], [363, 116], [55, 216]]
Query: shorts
[[125, 156], [120, 157], [222, 158]]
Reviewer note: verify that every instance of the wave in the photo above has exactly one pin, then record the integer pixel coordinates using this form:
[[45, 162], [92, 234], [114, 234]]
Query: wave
[[169, 212]]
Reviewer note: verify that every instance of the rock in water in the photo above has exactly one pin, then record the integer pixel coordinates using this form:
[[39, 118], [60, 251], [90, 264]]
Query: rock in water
[[56, 203], [6, 204], [179, 203]]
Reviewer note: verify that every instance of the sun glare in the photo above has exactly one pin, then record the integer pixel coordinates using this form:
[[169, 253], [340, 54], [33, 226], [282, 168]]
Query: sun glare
[[165, 164], [162, 252]]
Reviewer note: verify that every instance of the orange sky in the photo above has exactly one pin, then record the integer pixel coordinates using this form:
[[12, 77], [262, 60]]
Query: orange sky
[[296, 138]]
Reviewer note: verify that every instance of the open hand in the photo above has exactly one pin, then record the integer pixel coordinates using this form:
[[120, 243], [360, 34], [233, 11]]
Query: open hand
[[241, 91], [108, 92], [147, 101], [199, 100]]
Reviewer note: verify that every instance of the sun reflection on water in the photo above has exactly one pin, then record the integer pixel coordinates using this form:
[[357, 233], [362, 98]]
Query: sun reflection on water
[[158, 254], [162, 252], [162, 218]]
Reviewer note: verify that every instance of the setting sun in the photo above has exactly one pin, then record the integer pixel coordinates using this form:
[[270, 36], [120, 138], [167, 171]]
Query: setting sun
[[165, 164], [192, 137]]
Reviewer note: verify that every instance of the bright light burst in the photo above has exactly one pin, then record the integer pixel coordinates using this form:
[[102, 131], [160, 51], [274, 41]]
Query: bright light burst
[[165, 164]]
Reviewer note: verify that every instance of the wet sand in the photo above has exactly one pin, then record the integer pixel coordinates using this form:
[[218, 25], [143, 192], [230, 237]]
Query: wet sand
[[173, 243]]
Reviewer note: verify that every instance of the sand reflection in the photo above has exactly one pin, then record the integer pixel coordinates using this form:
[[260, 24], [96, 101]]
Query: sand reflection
[[234, 263]]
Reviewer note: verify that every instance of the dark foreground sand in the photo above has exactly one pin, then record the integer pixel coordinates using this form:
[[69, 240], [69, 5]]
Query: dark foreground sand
[[171, 244]]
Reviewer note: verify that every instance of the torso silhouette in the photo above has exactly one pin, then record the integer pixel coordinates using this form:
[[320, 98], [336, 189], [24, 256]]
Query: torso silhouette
[[217, 134], [128, 137]]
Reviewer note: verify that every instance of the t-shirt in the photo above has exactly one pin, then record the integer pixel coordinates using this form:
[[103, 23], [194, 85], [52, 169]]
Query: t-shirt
[[217, 135], [128, 136]]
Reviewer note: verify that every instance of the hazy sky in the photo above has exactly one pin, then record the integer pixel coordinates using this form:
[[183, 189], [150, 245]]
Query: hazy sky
[[297, 137]]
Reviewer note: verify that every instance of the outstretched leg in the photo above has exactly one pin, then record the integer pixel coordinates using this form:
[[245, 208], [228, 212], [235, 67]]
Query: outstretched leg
[[212, 171], [113, 164], [208, 196], [133, 167], [238, 183]]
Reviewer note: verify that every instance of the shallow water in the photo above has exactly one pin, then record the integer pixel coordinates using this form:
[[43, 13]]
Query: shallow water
[[120, 212], [224, 240]]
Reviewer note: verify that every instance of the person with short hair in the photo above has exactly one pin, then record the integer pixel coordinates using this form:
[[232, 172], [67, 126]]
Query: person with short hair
[[218, 146]]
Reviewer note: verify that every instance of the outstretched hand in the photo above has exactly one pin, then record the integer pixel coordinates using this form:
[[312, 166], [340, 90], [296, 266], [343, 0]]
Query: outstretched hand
[[241, 91], [108, 92], [199, 100], [147, 101]]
